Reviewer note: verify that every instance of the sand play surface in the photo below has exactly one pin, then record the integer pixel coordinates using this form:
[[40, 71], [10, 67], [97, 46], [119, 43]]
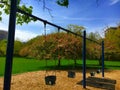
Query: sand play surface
[[35, 81]]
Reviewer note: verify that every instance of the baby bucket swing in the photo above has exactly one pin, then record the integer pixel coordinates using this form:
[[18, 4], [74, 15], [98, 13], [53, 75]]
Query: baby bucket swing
[[71, 73], [49, 79], [99, 70]]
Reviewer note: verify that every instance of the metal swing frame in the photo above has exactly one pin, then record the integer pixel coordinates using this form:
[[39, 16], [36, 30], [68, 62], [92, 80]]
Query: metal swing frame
[[10, 45], [49, 79]]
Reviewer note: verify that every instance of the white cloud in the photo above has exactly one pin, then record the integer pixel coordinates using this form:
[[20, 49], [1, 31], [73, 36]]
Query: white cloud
[[4, 22], [112, 2], [19, 34], [3, 27], [24, 35], [36, 24]]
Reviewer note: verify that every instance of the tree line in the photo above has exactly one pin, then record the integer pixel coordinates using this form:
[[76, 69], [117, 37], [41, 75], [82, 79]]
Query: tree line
[[65, 45]]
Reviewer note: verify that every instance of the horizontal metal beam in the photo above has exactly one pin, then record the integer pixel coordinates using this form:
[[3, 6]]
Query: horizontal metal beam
[[45, 21]]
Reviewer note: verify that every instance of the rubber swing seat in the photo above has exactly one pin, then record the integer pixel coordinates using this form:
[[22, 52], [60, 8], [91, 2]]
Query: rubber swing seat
[[71, 74], [50, 80]]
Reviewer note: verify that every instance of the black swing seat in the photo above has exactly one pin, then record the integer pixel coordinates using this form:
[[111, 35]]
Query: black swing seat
[[92, 73], [98, 71], [71, 74], [50, 80]]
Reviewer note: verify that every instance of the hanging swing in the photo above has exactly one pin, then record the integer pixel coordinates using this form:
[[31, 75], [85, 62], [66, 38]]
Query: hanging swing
[[99, 70], [71, 73], [59, 46], [49, 79]]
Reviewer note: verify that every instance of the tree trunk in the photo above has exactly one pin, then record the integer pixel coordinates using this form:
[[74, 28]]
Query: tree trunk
[[75, 62], [59, 63]]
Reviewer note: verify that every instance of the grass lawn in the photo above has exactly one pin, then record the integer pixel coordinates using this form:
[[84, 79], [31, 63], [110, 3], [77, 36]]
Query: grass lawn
[[21, 65]]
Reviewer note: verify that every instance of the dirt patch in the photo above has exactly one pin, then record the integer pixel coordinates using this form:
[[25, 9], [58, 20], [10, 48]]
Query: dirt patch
[[35, 81]]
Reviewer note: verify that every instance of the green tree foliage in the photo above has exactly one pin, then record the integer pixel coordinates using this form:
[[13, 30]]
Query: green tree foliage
[[63, 2], [112, 43], [60, 46], [94, 49], [3, 44], [26, 49], [75, 28], [94, 36], [5, 7], [17, 47]]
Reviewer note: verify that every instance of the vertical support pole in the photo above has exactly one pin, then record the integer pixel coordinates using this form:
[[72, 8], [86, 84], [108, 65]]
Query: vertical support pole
[[84, 59], [58, 29], [10, 45], [102, 58]]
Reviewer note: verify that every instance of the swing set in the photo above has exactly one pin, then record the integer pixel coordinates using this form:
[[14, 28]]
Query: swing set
[[49, 79]]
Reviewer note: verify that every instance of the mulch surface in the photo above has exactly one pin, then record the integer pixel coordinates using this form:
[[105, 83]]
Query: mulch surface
[[35, 81]]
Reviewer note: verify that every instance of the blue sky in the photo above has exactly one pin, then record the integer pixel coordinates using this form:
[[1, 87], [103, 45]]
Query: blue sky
[[94, 17]]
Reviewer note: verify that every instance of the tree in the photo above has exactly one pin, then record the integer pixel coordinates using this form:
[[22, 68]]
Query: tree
[[75, 28], [68, 47], [3, 44], [17, 47], [63, 2], [93, 49], [75, 45], [5, 6], [112, 44], [94, 36], [21, 18]]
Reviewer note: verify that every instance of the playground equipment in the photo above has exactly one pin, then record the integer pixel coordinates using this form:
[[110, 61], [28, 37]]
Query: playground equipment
[[49, 79], [92, 73], [98, 71], [71, 74], [10, 49]]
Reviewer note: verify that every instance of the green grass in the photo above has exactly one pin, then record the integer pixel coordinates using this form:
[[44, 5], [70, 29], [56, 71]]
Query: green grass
[[114, 65], [21, 65], [2, 65]]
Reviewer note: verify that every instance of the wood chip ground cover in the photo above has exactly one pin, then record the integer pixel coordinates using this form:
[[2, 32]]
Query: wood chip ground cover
[[35, 81]]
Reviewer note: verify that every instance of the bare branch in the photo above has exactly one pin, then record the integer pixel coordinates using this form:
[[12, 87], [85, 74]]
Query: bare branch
[[44, 5]]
